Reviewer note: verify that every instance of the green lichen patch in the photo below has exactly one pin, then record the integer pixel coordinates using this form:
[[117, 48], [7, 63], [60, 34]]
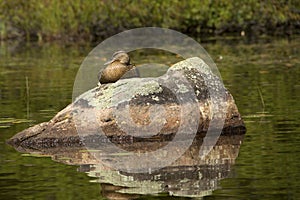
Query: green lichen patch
[[188, 79], [123, 90]]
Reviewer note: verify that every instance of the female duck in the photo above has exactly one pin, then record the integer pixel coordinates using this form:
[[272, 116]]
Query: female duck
[[116, 68]]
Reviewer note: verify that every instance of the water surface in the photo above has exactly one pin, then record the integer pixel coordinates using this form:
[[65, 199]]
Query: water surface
[[36, 81]]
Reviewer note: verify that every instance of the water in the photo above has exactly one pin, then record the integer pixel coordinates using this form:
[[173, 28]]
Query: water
[[264, 77]]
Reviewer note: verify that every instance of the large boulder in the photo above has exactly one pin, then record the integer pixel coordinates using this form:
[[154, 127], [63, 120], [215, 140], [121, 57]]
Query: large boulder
[[188, 98]]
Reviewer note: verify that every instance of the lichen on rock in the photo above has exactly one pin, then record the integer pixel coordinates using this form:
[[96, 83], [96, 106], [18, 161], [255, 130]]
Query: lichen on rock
[[188, 87]]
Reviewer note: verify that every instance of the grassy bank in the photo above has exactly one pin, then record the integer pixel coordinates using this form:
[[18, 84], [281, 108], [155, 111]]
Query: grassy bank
[[91, 20]]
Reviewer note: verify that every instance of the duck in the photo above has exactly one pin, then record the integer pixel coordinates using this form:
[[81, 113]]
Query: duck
[[115, 68]]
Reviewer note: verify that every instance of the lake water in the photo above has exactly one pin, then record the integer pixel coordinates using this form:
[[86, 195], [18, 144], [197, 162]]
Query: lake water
[[36, 81]]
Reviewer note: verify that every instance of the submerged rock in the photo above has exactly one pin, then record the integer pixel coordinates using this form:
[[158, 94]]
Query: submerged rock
[[188, 98]]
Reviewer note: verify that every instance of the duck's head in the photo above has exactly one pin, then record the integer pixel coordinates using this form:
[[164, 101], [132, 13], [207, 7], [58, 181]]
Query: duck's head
[[119, 56]]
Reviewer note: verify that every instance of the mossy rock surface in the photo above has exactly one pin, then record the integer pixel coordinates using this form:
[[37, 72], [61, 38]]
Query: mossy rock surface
[[142, 105]]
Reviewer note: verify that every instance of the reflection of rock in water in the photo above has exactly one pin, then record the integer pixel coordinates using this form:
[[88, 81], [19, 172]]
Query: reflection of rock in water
[[194, 181], [188, 176]]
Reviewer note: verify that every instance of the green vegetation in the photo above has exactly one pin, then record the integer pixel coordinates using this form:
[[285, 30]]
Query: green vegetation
[[89, 19]]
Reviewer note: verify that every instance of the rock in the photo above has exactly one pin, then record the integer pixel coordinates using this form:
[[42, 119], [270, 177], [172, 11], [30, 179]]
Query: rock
[[188, 98]]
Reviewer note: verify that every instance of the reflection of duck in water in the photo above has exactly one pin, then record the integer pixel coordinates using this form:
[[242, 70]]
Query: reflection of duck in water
[[116, 68]]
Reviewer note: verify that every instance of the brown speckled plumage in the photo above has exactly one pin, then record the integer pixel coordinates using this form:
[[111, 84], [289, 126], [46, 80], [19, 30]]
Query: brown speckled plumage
[[116, 68]]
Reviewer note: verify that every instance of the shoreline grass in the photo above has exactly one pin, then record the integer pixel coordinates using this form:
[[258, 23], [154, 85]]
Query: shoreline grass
[[90, 20]]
